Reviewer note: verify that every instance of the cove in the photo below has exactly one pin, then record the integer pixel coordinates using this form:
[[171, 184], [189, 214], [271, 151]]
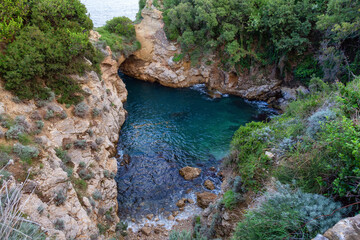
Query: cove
[[167, 129]]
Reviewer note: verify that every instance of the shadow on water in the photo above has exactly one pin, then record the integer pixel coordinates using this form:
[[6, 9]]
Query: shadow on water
[[167, 129]]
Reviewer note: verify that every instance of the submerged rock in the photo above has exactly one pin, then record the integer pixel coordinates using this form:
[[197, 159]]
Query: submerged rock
[[190, 173], [209, 185], [204, 199]]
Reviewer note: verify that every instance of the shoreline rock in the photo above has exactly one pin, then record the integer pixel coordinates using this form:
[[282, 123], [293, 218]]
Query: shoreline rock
[[190, 173]]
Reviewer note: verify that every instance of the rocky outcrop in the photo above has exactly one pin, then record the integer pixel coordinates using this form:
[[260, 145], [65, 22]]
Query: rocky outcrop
[[190, 173], [58, 195], [154, 62], [204, 199], [345, 229]]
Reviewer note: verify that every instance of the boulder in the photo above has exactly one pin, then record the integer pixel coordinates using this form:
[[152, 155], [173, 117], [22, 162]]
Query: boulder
[[345, 229], [181, 203], [190, 173], [146, 231], [209, 185], [204, 199], [150, 216]]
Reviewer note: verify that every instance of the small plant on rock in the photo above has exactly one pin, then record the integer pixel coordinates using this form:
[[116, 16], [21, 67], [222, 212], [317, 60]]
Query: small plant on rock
[[25, 153], [81, 110], [59, 224], [97, 195], [80, 144], [59, 198]]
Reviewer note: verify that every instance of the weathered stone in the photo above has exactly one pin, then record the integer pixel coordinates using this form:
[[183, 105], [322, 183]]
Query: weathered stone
[[209, 185], [171, 218], [181, 203], [150, 216], [190, 173], [146, 231], [320, 237], [204, 199], [345, 229]]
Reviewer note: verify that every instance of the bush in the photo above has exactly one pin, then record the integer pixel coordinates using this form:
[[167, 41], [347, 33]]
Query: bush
[[25, 153], [96, 112], [4, 159], [80, 144], [63, 155], [85, 174], [60, 197], [318, 119], [81, 110], [122, 26], [51, 44], [14, 132], [97, 195], [230, 199], [296, 214], [59, 224]]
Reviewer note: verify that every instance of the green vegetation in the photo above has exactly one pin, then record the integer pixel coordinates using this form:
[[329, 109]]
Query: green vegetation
[[247, 32], [316, 147], [45, 41], [294, 213], [119, 34]]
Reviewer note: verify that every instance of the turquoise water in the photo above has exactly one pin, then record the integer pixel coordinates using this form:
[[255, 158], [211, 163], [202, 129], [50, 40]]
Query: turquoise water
[[167, 129]]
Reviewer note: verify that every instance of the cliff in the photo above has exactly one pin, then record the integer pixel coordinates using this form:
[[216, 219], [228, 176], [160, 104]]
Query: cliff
[[154, 62], [85, 200]]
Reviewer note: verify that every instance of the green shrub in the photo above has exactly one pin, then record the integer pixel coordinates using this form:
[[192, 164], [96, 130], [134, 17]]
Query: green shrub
[[80, 184], [230, 199], [103, 228], [122, 26], [318, 119], [249, 143], [25, 139], [14, 132], [25, 153], [306, 70], [82, 144], [51, 44], [60, 198], [59, 224], [97, 195], [4, 159], [63, 155], [289, 214], [81, 110]]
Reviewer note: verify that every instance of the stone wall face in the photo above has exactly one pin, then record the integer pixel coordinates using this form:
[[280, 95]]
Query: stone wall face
[[98, 130]]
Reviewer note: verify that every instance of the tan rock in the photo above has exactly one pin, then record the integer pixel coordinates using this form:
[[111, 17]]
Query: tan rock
[[181, 203], [150, 216], [190, 173], [204, 199], [209, 185], [171, 218], [345, 229], [146, 231]]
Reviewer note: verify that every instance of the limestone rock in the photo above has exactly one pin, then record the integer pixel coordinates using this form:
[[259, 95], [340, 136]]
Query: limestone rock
[[209, 185], [146, 231], [181, 203], [345, 229], [190, 173], [204, 199]]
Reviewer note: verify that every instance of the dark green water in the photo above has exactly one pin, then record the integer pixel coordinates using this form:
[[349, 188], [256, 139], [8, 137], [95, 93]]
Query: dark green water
[[167, 129]]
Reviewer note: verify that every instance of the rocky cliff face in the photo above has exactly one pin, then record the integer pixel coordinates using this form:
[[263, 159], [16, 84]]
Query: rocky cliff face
[[154, 62], [91, 144]]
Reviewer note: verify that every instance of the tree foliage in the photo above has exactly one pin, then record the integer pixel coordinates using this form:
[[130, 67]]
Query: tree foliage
[[51, 45], [242, 32]]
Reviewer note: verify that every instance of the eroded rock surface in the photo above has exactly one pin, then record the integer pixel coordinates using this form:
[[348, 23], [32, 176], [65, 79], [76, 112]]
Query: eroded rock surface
[[190, 173], [80, 211]]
